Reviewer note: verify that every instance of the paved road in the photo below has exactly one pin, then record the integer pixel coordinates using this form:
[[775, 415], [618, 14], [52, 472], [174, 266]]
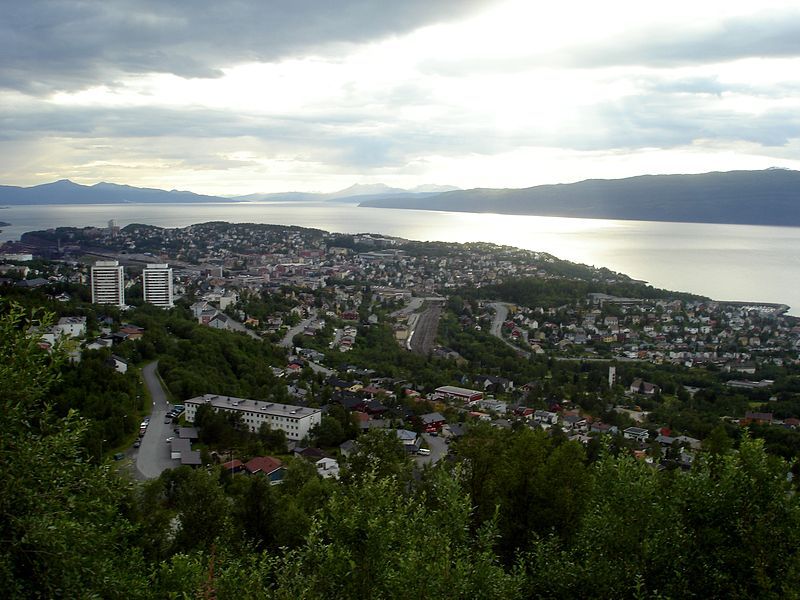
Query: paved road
[[234, 325], [152, 457], [500, 315], [286, 342], [318, 368], [438, 449]]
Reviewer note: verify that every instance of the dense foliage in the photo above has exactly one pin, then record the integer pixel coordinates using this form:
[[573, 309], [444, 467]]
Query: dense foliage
[[516, 514]]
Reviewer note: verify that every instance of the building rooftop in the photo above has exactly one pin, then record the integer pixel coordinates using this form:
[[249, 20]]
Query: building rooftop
[[260, 406]]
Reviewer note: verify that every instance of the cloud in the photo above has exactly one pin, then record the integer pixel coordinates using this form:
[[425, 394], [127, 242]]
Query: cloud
[[770, 34], [647, 42], [71, 44]]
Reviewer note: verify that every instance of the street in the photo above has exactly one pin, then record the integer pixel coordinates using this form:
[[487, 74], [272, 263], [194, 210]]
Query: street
[[286, 342], [153, 456]]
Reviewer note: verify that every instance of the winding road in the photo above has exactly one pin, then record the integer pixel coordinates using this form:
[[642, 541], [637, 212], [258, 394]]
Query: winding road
[[500, 315]]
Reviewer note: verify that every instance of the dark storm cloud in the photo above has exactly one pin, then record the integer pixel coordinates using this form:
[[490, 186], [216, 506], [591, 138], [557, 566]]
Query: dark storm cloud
[[69, 44]]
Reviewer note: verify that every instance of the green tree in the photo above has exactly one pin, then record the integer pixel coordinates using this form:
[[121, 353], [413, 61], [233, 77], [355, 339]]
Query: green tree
[[373, 540], [274, 440], [328, 433], [61, 532], [379, 453]]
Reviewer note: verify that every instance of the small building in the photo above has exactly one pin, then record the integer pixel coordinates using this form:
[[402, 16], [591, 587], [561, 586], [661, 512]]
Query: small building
[[410, 440], [545, 417], [760, 418], [640, 386], [327, 468], [636, 433], [575, 422], [188, 433], [270, 467], [432, 422], [496, 406], [347, 448], [119, 364], [70, 326], [459, 393]]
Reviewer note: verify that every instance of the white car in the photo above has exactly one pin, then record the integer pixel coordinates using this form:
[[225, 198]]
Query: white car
[[169, 439]]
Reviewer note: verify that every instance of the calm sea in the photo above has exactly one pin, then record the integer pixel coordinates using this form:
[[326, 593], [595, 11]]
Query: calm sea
[[724, 262]]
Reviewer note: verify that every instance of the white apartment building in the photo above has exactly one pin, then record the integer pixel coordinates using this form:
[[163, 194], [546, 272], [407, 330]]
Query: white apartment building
[[108, 283], [157, 282], [295, 421]]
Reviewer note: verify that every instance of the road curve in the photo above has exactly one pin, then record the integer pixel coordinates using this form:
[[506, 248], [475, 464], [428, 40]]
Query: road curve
[[500, 315]]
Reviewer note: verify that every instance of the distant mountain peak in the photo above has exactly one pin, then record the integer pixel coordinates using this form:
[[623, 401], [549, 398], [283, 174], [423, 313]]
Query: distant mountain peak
[[376, 189], [360, 189]]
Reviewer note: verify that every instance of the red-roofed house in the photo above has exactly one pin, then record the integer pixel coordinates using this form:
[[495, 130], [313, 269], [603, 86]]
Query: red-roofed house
[[268, 465]]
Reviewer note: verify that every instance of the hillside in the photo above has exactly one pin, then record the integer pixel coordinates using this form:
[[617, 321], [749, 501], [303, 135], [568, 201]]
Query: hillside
[[770, 197]]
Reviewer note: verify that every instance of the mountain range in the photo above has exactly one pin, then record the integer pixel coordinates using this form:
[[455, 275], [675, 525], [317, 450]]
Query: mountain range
[[65, 191], [768, 197]]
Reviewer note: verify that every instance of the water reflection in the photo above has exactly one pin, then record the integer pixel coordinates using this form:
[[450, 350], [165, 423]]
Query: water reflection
[[733, 262]]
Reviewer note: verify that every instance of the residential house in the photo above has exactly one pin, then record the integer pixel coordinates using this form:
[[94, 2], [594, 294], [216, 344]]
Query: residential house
[[432, 422], [410, 440], [759, 418], [270, 467], [347, 448], [327, 468], [636, 433], [545, 417], [640, 386]]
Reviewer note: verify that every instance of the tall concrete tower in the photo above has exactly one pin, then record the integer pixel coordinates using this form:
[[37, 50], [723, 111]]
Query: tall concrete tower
[[157, 281], [612, 376], [108, 283]]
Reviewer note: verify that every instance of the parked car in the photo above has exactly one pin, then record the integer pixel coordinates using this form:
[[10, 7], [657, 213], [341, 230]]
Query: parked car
[[137, 443], [424, 451], [119, 456], [168, 420], [169, 439]]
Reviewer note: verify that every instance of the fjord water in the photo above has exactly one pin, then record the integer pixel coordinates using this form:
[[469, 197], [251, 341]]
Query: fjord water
[[724, 262]]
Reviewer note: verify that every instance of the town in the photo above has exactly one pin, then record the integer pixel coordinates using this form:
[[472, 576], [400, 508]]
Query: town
[[314, 295]]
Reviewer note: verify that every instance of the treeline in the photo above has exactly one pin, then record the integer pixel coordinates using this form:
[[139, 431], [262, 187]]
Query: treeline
[[111, 401], [195, 359]]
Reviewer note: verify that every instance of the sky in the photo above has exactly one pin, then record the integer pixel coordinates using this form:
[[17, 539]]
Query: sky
[[248, 96]]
